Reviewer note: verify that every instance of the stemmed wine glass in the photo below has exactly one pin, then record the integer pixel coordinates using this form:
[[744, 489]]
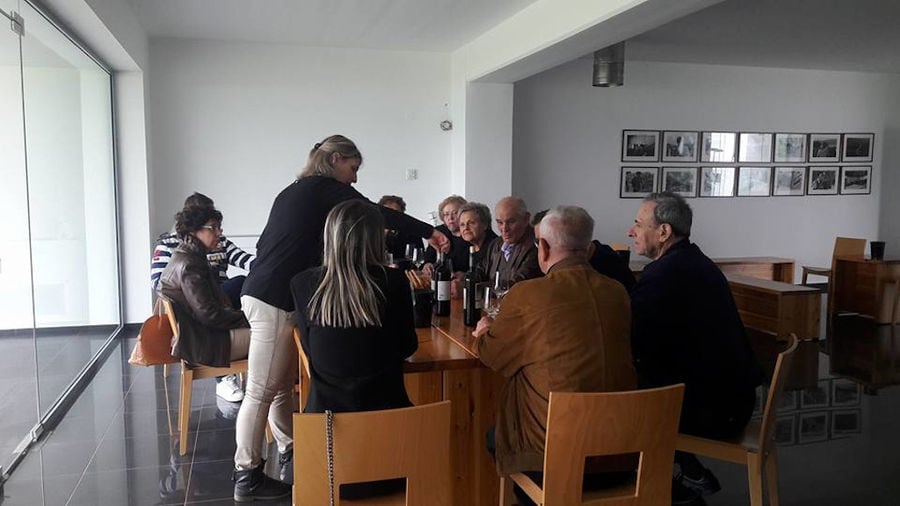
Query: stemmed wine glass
[[501, 285], [418, 257]]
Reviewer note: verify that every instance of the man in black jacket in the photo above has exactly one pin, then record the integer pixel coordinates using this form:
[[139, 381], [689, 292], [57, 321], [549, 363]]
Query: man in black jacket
[[686, 329]]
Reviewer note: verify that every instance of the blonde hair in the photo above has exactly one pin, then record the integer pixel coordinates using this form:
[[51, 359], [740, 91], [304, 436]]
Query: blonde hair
[[319, 161], [354, 242], [452, 199]]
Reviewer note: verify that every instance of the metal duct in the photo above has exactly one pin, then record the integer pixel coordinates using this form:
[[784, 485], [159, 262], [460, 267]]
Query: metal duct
[[609, 66]]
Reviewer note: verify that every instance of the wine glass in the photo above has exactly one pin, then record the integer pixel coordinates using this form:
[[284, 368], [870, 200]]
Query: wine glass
[[418, 257], [501, 286], [491, 302], [408, 253]]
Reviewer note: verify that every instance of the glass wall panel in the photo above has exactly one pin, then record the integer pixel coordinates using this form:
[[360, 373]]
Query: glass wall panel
[[18, 378], [71, 194]]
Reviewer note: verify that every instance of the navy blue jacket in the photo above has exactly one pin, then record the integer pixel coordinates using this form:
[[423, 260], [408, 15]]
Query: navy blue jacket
[[686, 328]]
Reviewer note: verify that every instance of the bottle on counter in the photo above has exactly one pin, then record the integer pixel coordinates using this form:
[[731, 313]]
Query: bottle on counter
[[471, 310], [443, 274]]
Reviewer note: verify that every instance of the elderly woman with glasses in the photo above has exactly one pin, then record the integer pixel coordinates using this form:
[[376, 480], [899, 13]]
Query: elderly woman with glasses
[[210, 331]]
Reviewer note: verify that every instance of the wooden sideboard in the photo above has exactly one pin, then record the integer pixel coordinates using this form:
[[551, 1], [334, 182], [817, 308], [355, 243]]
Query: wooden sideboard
[[864, 286], [776, 307], [773, 268]]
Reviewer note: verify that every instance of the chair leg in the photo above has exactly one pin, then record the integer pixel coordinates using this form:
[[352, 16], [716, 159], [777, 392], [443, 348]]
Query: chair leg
[[803, 277], [269, 436], [165, 370], [754, 477], [184, 408], [772, 478], [507, 497]]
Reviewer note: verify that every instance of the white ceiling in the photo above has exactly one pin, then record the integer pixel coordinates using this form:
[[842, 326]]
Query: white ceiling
[[859, 35], [415, 25]]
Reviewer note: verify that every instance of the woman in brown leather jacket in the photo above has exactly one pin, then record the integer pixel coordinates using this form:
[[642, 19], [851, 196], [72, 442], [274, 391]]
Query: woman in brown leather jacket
[[210, 331]]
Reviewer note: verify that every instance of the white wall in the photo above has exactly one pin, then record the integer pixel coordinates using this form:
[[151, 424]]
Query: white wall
[[567, 147], [236, 121]]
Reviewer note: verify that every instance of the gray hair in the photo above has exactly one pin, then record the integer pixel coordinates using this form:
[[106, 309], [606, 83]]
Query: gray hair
[[354, 242], [568, 227], [481, 211], [319, 161], [517, 203], [673, 210]]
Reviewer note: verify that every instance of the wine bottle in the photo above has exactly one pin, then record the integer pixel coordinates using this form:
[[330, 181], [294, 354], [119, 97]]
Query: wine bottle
[[443, 274], [471, 313]]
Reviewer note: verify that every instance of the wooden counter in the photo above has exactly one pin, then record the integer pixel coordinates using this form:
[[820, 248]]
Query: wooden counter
[[446, 367], [864, 286], [776, 307], [772, 268]]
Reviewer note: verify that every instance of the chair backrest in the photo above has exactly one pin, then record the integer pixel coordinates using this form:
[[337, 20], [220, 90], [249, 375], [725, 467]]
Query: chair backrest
[[783, 365], [847, 247], [170, 312], [375, 445], [580, 425], [301, 356], [620, 246]]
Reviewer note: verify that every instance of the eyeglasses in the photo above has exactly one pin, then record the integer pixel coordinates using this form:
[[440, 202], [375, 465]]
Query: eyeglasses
[[214, 228]]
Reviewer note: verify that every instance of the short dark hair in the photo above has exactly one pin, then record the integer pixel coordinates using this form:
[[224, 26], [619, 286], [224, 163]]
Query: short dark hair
[[538, 216], [393, 199], [192, 219], [198, 199], [673, 210]]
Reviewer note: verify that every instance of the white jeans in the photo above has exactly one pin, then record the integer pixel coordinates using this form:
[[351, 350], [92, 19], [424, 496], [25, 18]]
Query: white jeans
[[270, 382]]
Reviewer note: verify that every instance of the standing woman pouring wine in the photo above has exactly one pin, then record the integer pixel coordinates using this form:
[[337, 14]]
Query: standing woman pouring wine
[[290, 243]]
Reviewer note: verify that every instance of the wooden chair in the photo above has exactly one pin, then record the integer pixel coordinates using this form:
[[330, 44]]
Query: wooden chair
[[580, 425], [375, 445], [756, 447], [843, 246], [189, 373], [303, 364], [620, 246]]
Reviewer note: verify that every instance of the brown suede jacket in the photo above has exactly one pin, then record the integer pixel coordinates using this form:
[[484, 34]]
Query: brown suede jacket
[[204, 315], [566, 332]]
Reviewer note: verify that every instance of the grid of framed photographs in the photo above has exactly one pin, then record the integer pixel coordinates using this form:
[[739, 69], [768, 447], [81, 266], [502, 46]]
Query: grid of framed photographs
[[745, 164]]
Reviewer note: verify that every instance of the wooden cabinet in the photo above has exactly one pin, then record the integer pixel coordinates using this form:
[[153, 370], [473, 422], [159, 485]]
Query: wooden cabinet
[[776, 307], [864, 286]]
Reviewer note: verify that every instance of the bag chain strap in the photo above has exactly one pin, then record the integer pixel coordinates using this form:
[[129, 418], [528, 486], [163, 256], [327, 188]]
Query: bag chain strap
[[329, 449]]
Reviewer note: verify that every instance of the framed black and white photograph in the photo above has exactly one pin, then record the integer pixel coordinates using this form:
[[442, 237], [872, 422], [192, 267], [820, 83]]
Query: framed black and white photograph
[[718, 147], [815, 397], [845, 421], [640, 145], [638, 182], [680, 180], [789, 181], [786, 430], [858, 147], [787, 401], [856, 180], [844, 392], [717, 181], [679, 146], [754, 181], [824, 148], [755, 147], [813, 427], [822, 181], [790, 148]]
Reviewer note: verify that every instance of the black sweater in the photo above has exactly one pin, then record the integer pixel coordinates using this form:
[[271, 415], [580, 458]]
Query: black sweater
[[357, 369], [292, 240]]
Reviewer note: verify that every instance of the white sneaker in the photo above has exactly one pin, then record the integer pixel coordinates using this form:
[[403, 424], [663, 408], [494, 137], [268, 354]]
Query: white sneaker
[[229, 388]]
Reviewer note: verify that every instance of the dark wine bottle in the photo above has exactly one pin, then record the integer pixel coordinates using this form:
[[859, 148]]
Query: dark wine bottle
[[443, 274], [471, 313]]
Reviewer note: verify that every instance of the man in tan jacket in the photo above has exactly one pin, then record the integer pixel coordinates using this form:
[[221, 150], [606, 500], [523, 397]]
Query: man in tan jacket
[[568, 331]]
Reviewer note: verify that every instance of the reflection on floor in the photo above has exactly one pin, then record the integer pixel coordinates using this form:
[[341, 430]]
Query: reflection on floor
[[837, 431], [60, 355]]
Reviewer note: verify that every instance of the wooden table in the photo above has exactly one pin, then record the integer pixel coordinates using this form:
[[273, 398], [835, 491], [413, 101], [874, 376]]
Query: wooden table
[[776, 307], [772, 268], [446, 367], [864, 286]]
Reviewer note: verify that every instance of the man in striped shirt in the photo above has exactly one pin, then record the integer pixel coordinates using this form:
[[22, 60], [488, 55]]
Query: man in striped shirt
[[227, 253]]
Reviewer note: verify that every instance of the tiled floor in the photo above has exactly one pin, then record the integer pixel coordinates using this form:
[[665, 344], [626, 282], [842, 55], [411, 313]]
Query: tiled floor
[[838, 427], [116, 445]]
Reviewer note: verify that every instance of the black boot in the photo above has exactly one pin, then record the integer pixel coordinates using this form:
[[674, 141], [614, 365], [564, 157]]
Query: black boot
[[254, 485]]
